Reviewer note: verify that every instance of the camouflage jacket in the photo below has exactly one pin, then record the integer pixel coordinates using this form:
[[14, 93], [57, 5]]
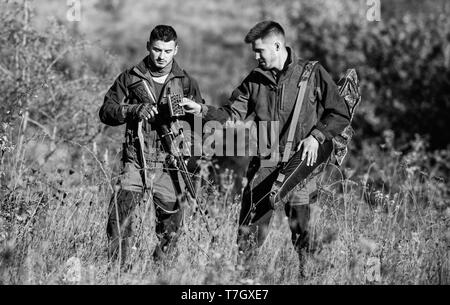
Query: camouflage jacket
[[118, 95], [261, 97]]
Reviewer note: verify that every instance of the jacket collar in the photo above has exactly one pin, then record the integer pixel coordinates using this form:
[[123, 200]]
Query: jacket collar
[[142, 69], [287, 69]]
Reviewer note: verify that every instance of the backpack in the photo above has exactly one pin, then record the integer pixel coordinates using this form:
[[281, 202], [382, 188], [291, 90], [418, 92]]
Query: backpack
[[349, 90]]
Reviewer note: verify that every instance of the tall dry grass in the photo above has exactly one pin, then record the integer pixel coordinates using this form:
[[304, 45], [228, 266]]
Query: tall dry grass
[[53, 230], [387, 209]]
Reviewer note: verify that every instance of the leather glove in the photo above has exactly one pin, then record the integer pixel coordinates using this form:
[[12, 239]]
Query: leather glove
[[171, 161], [141, 112]]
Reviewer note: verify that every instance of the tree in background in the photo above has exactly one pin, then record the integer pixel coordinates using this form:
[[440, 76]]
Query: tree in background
[[402, 62], [54, 78], [50, 81]]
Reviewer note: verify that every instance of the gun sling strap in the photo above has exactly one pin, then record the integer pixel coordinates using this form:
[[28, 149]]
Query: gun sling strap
[[303, 89], [151, 96]]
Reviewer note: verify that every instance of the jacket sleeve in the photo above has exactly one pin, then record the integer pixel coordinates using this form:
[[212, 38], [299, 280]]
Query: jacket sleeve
[[237, 107], [112, 112], [335, 116], [194, 90]]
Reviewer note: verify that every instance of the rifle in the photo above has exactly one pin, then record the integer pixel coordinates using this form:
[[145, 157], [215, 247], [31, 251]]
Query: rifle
[[167, 137]]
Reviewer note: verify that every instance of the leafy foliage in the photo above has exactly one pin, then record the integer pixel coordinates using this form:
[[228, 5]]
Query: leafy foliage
[[51, 76], [403, 63]]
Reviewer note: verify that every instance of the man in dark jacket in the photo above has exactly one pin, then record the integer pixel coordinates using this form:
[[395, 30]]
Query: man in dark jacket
[[146, 172], [268, 94]]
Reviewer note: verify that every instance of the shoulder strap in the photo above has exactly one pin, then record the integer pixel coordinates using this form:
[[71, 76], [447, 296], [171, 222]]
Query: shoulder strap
[[186, 81], [303, 84]]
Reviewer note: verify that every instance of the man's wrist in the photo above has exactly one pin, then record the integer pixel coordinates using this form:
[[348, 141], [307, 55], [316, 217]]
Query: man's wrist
[[203, 110], [129, 111], [124, 111], [318, 135]]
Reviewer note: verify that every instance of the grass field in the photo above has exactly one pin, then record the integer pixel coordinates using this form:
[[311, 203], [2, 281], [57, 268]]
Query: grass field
[[383, 218], [53, 231]]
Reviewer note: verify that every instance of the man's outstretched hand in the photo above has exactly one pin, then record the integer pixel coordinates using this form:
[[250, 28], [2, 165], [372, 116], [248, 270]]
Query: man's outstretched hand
[[190, 106], [310, 148]]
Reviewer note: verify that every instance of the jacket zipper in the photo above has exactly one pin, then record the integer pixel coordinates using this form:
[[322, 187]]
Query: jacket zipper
[[282, 98]]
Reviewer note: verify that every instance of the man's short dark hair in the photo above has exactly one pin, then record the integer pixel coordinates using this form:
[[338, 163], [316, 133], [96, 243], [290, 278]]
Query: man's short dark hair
[[264, 29], [163, 32]]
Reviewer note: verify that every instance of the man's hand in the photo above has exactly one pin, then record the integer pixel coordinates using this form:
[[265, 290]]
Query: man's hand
[[171, 161], [310, 147], [142, 112], [190, 106]]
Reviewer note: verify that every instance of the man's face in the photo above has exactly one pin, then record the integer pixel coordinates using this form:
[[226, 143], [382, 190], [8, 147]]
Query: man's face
[[265, 52], [161, 52]]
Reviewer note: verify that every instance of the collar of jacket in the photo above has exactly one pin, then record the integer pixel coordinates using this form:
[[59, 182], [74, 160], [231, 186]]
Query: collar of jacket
[[291, 63], [142, 70]]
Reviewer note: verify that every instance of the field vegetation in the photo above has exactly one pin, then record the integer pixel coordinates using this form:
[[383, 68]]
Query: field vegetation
[[381, 218]]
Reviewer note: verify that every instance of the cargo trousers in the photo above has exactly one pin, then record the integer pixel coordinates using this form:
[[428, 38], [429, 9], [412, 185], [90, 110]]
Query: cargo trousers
[[134, 211]]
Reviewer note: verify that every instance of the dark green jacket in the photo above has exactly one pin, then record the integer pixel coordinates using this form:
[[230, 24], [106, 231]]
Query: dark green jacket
[[262, 98], [111, 112]]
